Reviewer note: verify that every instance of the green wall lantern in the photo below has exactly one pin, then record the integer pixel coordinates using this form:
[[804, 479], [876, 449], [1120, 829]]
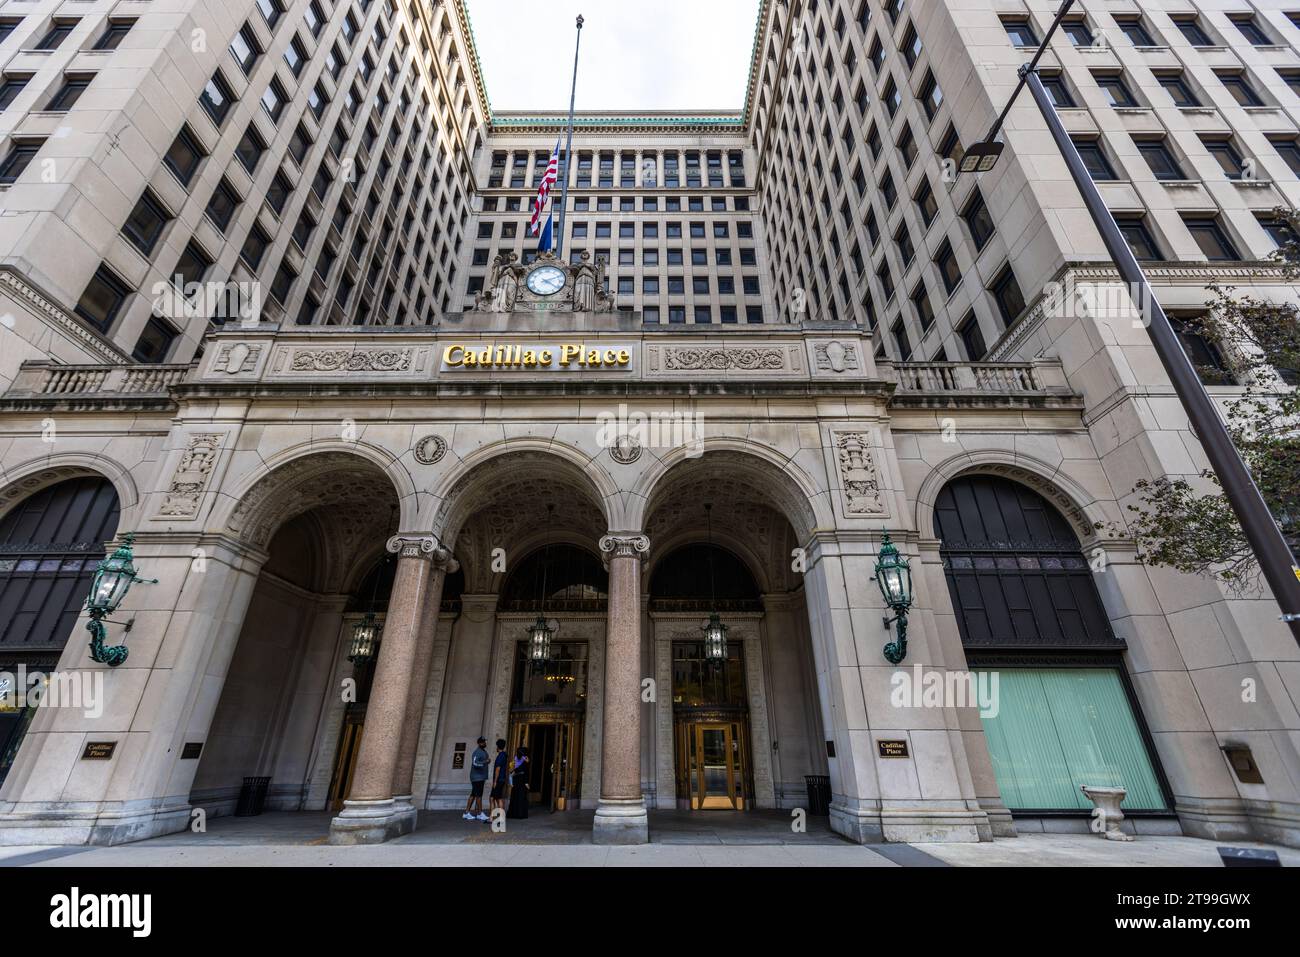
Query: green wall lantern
[[113, 579], [894, 576]]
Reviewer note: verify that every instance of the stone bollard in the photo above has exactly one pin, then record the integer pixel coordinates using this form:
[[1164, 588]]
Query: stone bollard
[[1107, 812]]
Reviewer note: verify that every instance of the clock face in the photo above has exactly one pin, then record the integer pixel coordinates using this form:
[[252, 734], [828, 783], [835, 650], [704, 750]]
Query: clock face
[[546, 280]]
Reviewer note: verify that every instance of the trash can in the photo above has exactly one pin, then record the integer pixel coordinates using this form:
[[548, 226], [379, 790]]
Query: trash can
[[819, 793], [251, 797]]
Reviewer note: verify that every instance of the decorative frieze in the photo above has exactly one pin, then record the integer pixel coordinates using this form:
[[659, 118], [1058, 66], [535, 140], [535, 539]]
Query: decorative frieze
[[191, 477], [350, 360], [836, 356]]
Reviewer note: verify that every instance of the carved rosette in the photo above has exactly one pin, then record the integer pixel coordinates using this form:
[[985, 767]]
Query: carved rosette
[[430, 449], [625, 546]]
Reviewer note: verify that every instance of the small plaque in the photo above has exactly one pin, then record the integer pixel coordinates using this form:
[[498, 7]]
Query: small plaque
[[191, 751], [99, 750], [458, 760], [892, 749], [460, 745]]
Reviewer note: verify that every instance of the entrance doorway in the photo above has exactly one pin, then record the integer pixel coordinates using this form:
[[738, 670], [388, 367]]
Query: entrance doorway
[[345, 760], [554, 743], [713, 761]]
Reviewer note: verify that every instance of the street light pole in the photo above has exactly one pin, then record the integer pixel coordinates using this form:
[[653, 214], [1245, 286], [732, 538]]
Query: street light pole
[[1260, 527]]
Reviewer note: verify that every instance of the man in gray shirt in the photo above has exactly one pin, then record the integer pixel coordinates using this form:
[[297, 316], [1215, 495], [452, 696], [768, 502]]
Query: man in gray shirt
[[480, 766]]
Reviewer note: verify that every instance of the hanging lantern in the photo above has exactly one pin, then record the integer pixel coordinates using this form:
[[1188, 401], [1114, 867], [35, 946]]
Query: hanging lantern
[[539, 640], [113, 579], [894, 576], [365, 639], [715, 638]]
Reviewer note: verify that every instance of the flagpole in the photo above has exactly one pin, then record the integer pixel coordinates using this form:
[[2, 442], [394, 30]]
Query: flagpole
[[568, 146]]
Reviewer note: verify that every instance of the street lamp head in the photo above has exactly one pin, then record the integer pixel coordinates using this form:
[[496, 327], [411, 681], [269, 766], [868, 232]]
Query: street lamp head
[[715, 638], [981, 157], [894, 576], [114, 577], [580, 21], [539, 640]]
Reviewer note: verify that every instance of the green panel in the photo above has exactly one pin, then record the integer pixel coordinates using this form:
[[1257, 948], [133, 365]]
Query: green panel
[[1059, 728]]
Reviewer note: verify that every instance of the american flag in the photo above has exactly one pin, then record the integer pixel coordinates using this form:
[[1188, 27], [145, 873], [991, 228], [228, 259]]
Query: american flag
[[549, 179]]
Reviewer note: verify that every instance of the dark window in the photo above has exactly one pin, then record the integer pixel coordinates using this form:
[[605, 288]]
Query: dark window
[[113, 34], [222, 206], [250, 149], [1190, 27], [184, 156], [1094, 158], [1021, 32], [217, 98], [272, 10], [902, 342], [278, 193], [1178, 89], [931, 96], [68, 94], [1139, 239], [972, 339], [295, 55], [1006, 292], [978, 219], [1160, 159], [102, 300], [921, 303], [245, 48], [1203, 352], [1226, 155], [1240, 88], [1116, 90], [10, 88], [193, 265], [1289, 149], [155, 342], [1211, 239], [1249, 29], [255, 247], [1055, 86], [1135, 30], [274, 100], [283, 283], [925, 203], [58, 32], [949, 271], [146, 223], [1078, 32], [17, 160]]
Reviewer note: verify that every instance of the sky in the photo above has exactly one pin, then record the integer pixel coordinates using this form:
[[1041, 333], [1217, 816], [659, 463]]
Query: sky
[[656, 55]]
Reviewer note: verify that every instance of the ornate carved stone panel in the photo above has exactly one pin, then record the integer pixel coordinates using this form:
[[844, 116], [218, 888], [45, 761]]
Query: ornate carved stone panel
[[332, 362], [859, 477], [191, 477], [746, 358]]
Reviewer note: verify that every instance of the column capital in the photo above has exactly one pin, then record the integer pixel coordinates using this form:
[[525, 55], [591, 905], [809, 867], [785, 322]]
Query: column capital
[[625, 545], [422, 545]]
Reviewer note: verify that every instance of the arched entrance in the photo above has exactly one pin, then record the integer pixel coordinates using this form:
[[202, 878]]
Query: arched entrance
[[742, 730], [50, 544], [1030, 615], [291, 700]]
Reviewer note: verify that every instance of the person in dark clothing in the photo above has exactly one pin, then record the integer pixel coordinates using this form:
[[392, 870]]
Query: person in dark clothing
[[500, 775], [519, 785]]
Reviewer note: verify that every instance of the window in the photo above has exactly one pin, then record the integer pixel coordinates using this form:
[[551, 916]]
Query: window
[[1117, 93], [184, 156], [17, 160], [1135, 30], [1280, 231], [193, 265], [155, 342], [893, 99], [1190, 27], [1203, 352], [113, 34], [925, 203], [1288, 147], [283, 283], [931, 96], [272, 10], [245, 49], [146, 223], [902, 342], [295, 55], [250, 149], [7, 26], [1249, 29], [1225, 153], [274, 100], [1138, 237], [57, 33], [978, 219], [1160, 159], [314, 18], [972, 339], [1078, 32], [222, 206], [217, 98], [1211, 238], [1240, 88], [921, 303], [1020, 31], [102, 300], [949, 271], [1094, 158], [911, 46], [1006, 293], [277, 194], [68, 94], [1178, 89], [10, 87], [1056, 89]]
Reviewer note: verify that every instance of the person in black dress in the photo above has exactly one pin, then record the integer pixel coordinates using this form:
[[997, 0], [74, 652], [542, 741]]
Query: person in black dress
[[518, 807]]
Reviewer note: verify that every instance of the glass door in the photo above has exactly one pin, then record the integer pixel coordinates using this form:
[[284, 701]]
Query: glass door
[[715, 767]]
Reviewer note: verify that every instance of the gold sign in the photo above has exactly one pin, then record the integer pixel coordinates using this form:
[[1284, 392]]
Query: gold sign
[[892, 749], [98, 750], [565, 355]]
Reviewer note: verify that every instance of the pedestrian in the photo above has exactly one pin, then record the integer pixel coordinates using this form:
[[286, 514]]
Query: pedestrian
[[500, 776], [478, 775], [519, 785]]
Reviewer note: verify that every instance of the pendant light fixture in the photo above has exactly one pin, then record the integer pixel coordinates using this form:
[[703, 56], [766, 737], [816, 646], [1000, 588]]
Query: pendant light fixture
[[542, 631], [715, 632], [367, 632]]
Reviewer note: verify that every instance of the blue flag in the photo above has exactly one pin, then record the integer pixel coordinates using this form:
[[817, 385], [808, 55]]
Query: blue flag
[[546, 243]]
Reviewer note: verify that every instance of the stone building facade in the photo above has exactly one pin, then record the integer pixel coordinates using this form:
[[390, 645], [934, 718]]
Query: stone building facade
[[744, 301]]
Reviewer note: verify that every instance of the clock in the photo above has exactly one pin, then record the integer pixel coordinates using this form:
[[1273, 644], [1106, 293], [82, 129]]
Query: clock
[[546, 280]]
